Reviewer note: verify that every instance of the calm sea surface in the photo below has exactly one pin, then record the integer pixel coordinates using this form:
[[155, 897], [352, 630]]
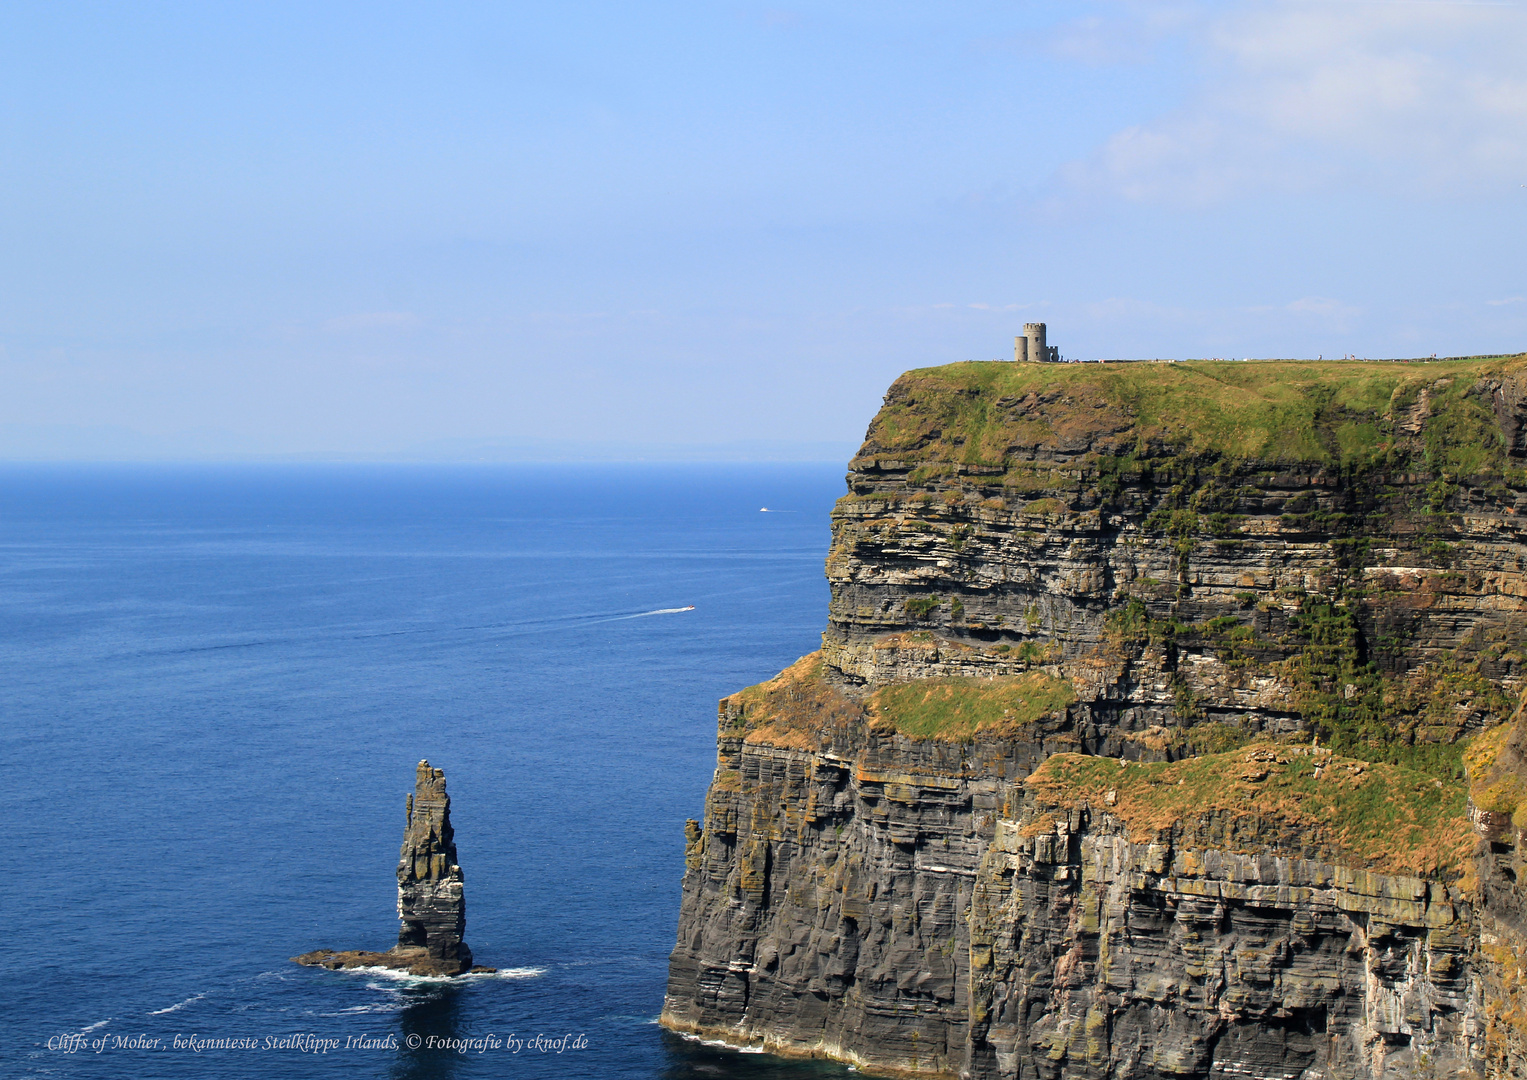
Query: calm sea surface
[[217, 682]]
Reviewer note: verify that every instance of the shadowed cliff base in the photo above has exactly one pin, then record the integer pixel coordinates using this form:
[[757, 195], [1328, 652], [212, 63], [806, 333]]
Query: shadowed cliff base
[[1143, 737]]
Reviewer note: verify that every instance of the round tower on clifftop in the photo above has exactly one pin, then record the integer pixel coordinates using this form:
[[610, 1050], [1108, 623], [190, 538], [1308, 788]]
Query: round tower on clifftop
[[1031, 346]]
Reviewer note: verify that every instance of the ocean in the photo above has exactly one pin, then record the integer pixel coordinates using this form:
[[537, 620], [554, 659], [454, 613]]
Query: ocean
[[217, 682]]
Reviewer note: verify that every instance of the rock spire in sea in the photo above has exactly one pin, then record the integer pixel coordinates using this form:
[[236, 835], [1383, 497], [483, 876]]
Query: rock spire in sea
[[431, 903], [431, 898]]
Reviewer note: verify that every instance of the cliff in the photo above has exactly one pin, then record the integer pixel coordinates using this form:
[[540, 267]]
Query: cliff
[[1162, 726]]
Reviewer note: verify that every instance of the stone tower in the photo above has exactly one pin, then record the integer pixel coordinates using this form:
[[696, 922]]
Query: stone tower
[[1031, 346], [430, 899]]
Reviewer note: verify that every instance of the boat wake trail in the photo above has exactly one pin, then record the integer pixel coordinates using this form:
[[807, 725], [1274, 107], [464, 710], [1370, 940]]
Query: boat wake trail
[[657, 611], [499, 629], [178, 1005]]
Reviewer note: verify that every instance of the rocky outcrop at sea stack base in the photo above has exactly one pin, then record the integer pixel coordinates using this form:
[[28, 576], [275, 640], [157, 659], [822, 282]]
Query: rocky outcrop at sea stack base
[[431, 901]]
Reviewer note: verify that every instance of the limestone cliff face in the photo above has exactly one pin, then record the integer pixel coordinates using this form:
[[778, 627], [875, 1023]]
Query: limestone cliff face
[[1497, 800], [826, 896], [1263, 545], [908, 859], [1097, 954]]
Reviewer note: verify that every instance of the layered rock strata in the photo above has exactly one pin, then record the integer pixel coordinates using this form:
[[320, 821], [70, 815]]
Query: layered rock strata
[[1210, 945], [1083, 519], [431, 903], [1497, 798], [827, 892], [431, 899], [1161, 564], [1094, 955]]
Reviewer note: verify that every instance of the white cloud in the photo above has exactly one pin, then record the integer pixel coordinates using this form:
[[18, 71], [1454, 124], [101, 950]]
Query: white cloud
[[1390, 97]]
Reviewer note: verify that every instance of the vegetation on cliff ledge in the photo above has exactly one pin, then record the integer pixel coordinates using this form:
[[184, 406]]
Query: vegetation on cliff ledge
[[1296, 797], [1345, 414], [1416, 719], [1497, 764], [1335, 808], [798, 707], [957, 709]]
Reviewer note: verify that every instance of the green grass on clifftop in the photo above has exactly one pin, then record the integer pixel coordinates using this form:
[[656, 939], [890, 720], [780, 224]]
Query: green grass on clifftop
[[1345, 413]]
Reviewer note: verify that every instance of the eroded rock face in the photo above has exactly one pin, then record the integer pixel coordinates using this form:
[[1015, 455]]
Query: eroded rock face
[[1338, 553], [826, 896], [1498, 774], [431, 899], [431, 902], [1096, 956], [934, 908], [1178, 584]]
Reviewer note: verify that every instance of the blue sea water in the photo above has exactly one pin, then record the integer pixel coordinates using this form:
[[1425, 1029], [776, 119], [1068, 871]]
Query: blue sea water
[[217, 681]]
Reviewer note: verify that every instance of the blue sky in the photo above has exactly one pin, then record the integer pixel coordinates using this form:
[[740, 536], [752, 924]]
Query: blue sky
[[717, 230]]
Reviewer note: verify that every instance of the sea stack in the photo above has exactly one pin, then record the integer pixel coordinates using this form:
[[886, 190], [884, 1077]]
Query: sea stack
[[431, 901]]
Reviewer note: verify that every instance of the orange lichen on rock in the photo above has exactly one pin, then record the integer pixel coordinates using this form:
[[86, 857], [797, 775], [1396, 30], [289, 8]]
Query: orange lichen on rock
[[793, 710]]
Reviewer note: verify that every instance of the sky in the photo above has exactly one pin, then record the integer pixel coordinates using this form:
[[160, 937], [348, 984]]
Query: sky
[[529, 231]]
